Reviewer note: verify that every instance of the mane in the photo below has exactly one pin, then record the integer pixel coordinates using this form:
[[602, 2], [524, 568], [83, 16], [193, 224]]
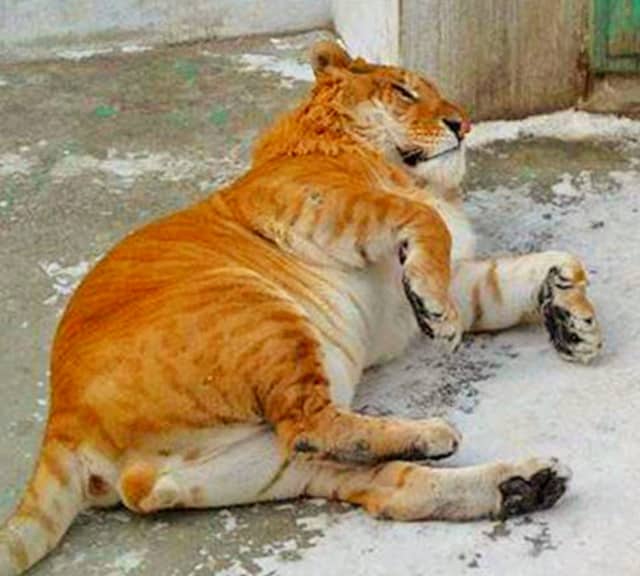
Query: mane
[[319, 125]]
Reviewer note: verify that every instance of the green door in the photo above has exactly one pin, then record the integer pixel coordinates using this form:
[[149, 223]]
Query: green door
[[616, 36]]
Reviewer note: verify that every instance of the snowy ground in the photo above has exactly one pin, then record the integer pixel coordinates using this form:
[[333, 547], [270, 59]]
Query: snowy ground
[[98, 143]]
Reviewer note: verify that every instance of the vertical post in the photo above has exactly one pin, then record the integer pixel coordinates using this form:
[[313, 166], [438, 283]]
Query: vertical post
[[370, 28]]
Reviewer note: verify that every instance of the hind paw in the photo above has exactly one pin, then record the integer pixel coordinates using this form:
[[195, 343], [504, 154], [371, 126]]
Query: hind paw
[[568, 314], [538, 490]]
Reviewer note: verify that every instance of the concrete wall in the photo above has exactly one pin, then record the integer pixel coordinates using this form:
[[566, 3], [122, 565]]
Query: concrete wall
[[35, 21], [369, 28], [618, 93], [499, 58]]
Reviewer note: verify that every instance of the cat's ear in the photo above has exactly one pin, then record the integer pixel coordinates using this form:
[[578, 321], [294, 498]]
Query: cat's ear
[[327, 54]]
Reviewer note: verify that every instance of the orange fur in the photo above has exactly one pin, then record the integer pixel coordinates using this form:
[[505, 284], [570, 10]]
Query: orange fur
[[222, 314], [141, 348]]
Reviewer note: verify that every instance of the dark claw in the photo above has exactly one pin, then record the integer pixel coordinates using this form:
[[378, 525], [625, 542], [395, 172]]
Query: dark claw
[[423, 316], [557, 319], [402, 251], [304, 445]]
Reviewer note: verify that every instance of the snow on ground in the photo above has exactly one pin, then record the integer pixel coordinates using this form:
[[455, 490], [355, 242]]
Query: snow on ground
[[12, 163], [78, 54], [65, 279], [127, 167], [564, 125], [286, 67]]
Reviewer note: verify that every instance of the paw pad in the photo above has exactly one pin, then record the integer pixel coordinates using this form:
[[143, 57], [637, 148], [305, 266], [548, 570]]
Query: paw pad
[[568, 317], [541, 491]]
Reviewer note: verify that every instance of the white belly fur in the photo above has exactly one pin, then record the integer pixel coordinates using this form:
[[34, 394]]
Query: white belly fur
[[389, 325]]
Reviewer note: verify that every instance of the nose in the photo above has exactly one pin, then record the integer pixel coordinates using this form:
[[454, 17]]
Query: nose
[[459, 127]]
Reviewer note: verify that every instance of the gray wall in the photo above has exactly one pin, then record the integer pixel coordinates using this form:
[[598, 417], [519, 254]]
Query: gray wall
[[499, 58], [37, 21], [370, 28]]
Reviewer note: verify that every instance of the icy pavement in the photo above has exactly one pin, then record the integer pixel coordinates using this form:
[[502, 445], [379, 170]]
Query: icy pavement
[[96, 144]]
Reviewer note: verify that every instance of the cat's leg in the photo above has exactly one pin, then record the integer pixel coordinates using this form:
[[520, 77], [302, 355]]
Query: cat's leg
[[406, 491], [352, 225], [548, 287], [294, 391], [246, 464], [306, 420]]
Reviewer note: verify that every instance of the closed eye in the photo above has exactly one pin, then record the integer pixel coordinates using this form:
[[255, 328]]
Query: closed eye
[[405, 92]]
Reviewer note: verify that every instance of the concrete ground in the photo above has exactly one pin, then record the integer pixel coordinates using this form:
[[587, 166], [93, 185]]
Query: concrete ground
[[94, 145]]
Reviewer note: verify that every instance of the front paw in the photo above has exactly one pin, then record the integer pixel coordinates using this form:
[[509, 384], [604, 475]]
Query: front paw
[[438, 439], [568, 314], [422, 440], [438, 320]]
